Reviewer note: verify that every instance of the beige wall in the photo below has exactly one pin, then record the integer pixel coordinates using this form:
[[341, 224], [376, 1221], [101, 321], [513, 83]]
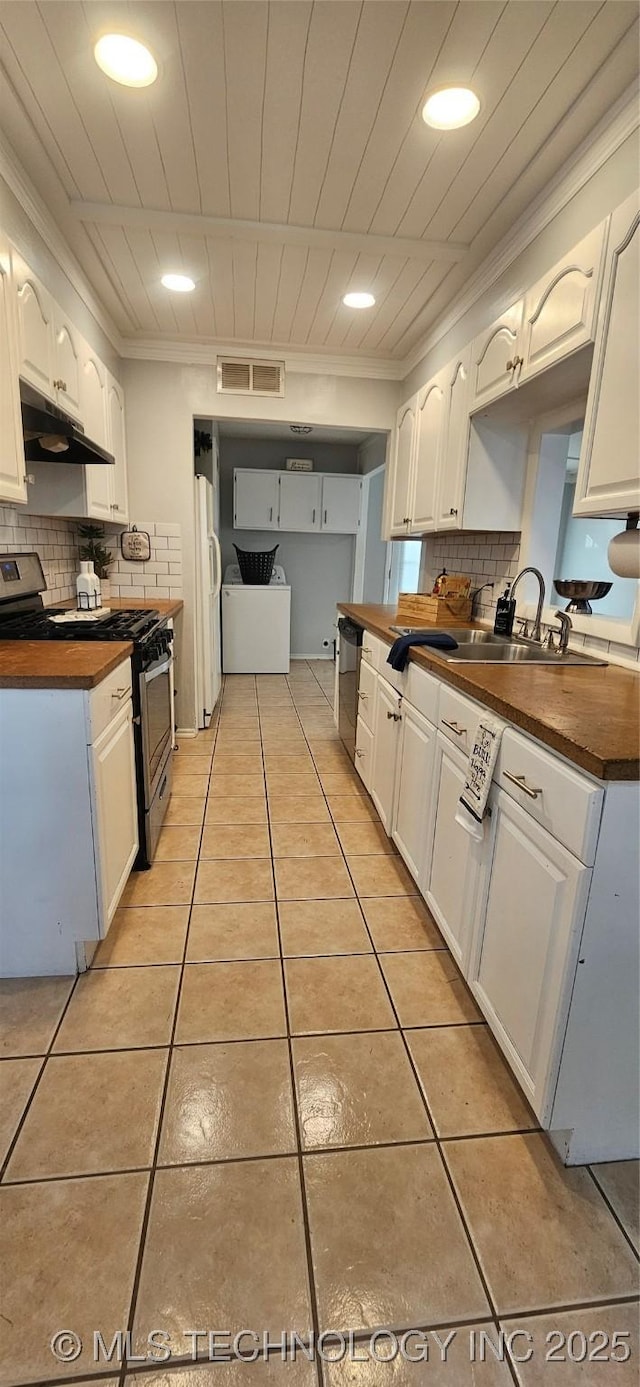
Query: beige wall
[[163, 398]]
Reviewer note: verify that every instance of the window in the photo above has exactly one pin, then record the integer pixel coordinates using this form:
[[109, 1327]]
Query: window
[[404, 568], [566, 548]]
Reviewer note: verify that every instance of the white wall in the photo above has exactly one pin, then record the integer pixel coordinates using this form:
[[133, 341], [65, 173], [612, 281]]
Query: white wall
[[162, 400]]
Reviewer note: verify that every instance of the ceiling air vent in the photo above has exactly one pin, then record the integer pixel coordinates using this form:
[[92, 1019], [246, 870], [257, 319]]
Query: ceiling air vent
[[248, 377]]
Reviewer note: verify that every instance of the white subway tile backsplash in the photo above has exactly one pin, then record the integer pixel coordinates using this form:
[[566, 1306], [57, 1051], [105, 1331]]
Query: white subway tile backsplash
[[57, 540], [167, 528]]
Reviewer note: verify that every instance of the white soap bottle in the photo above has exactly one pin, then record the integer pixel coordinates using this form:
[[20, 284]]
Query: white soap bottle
[[87, 587]]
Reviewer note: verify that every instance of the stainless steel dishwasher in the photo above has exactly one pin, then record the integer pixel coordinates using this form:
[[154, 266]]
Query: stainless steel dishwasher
[[350, 654]]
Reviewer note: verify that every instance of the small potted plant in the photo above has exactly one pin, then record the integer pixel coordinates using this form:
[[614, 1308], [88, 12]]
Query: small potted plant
[[94, 549]]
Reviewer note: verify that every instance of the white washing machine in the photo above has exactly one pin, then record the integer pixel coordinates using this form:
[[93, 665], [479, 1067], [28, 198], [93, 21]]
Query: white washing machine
[[256, 624]]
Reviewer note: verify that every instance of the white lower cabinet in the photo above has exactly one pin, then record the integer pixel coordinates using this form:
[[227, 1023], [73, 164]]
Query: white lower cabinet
[[526, 947], [69, 786], [540, 912], [453, 872], [364, 752], [114, 782], [414, 787], [386, 732]]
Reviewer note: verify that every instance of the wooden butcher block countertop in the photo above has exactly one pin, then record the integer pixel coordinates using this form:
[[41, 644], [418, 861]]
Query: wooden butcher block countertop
[[59, 664], [166, 606], [588, 713]]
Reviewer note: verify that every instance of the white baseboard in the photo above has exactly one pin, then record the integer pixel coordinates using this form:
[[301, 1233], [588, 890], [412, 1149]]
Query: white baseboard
[[323, 655]]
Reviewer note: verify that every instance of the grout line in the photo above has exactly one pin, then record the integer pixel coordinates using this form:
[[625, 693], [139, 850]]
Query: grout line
[[313, 1299], [612, 1210], [45, 1058], [167, 1076]]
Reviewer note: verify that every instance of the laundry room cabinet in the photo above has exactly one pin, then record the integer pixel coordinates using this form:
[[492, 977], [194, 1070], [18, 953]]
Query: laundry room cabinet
[[296, 502]]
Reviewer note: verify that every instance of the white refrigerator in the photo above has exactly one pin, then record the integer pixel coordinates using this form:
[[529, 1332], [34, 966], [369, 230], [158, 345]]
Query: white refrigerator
[[208, 584]]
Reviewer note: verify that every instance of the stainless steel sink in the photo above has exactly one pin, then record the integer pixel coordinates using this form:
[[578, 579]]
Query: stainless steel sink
[[484, 648]]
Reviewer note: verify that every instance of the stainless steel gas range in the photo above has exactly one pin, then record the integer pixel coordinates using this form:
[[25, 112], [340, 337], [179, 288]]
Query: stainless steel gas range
[[23, 616]]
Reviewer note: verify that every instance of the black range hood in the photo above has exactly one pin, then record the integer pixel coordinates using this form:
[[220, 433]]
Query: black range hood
[[50, 435]]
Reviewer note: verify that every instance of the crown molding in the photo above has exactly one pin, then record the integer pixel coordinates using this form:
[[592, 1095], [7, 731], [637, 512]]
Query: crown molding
[[19, 183], [611, 132], [233, 229], [300, 362]]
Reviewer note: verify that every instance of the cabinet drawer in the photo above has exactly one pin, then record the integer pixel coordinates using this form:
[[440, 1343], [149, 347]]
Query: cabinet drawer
[[563, 801], [423, 692], [367, 693], [374, 651], [364, 752], [458, 718], [106, 700]]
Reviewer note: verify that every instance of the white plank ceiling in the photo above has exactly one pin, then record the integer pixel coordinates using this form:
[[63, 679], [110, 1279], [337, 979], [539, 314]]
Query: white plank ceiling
[[280, 158]]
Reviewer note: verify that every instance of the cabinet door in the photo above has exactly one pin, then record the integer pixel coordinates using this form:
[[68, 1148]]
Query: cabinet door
[[560, 311], [414, 790], [453, 875], [255, 500], [493, 370], [402, 470], [341, 500], [35, 323], [608, 479], [525, 958], [364, 752], [300, 501], [13, 487], [115, 811], [453, 470], [430, 437], [66, 365], [117, 445], [93, 412], [385, 747]]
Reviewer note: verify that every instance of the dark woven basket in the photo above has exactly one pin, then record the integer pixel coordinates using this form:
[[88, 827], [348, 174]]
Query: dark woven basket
[[256, 567]]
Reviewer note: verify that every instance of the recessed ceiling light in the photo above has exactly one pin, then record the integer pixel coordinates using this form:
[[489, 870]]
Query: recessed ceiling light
[[450, 108], [125, 60], [359, 300], [181, 284]]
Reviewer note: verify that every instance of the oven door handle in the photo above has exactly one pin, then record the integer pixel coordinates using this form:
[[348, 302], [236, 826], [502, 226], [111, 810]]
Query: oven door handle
[[156, 670]]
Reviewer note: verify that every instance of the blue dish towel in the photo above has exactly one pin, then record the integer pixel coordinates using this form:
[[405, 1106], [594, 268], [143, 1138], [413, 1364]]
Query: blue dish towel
[[399, 652]]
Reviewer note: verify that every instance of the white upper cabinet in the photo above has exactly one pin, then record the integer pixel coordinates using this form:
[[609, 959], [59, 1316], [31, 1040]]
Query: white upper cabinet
[[35, 326], [300, 501], [66, 364], [341, 502], [430, 430], [608, 479], [402, 469], [255, 499], [117, 446], [560, 310], [13, 487], [456, 445], [93, 406], [494, 358]]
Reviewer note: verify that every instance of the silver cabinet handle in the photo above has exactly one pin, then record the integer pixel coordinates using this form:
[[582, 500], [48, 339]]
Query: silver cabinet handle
[[520, 781], [397, 717], [366, 650], [313, 516], [359, 752], [271, 512], [362, 695], [120, 693], [459, 731], [325, 517], [453, 510]]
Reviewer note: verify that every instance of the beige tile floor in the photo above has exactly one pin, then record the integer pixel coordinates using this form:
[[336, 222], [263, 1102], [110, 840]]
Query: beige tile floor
[[272, 1104]]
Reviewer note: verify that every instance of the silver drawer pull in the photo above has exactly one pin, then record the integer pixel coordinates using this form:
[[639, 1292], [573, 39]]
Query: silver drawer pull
[[520, 781], [119, 693], [359, 752], [397, 717], [459, 731], [362, 695], [366, 650]]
